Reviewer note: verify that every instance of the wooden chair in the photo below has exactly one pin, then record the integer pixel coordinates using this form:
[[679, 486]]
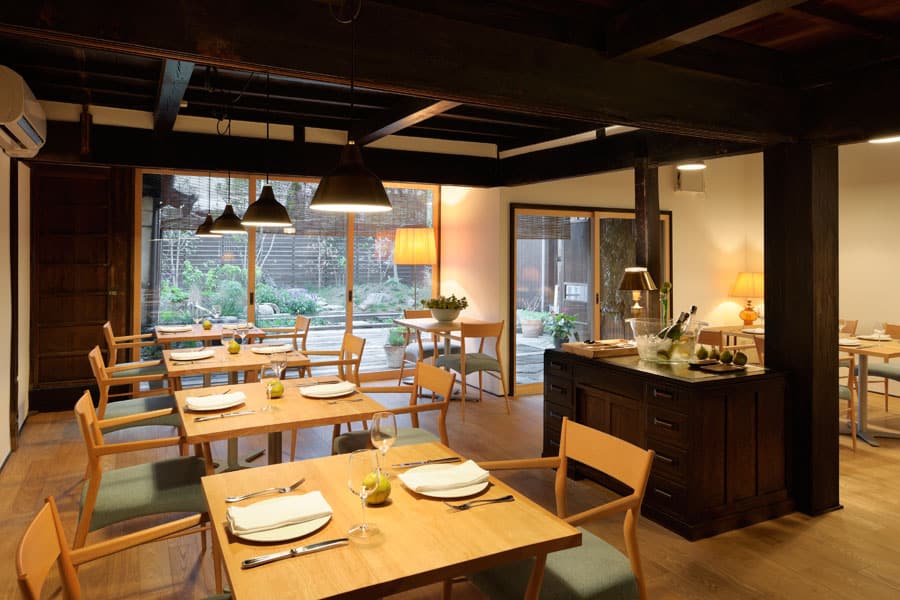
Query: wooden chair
[[160, 487], [427, 377], [296, 334], [760, 342], [595, 569], [712, 337], [44, 543], [848, 392], [122, 343], [418, 349], [479, 362], [347, 361], [887, 371]]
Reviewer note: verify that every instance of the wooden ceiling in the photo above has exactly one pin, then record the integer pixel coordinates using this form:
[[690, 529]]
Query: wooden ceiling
[[699, 79]]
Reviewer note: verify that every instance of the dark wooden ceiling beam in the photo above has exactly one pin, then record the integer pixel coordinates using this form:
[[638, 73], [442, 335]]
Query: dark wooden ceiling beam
[[399, 118], [859, 23], [657, 26], [493, 68], [173, 81]]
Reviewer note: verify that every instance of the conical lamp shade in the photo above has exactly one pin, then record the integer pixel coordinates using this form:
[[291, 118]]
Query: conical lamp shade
[[228, 222], [266, 211], [351, 187], [205, 229]]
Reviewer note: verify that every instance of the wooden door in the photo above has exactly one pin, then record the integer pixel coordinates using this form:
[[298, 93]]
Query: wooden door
[[81, 258]]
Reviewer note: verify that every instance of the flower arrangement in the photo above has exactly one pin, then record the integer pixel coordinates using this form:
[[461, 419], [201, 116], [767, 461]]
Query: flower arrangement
[[452, 303], [664, 290]]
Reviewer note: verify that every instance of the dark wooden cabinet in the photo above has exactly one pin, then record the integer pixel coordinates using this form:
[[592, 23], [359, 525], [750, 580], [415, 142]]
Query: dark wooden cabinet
[[719, 439]]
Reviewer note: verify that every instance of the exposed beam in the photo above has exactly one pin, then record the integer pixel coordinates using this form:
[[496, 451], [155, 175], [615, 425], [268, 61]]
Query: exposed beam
[[399, 119], [173, 81], [658, 26], [493, 68], [885, 31]]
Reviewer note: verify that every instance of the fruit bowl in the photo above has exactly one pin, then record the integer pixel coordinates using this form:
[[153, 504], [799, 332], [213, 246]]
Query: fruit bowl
[[663, 349]]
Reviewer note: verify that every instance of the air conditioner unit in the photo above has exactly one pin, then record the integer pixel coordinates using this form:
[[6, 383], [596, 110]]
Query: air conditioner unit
[[23, 125]]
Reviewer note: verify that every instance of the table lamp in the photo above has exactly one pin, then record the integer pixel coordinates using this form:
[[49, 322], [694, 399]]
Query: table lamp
[[748, 285], [415, 246], [636, 279]]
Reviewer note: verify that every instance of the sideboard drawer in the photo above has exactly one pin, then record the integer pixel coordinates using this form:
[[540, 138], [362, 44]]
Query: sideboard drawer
[[666, 426], [666, 496], [669, 462], [559, 391], [666, 397]]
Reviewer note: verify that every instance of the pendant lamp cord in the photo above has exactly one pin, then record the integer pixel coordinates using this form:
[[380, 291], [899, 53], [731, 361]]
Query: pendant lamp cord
[[266, 152]]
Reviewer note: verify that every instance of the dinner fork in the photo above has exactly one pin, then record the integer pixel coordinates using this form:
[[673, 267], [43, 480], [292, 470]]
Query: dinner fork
[[346, 400], [280, 490], [471, 503]]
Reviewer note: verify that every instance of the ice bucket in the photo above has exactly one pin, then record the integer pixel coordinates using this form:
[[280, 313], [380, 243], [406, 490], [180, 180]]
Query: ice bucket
[[664, 349]]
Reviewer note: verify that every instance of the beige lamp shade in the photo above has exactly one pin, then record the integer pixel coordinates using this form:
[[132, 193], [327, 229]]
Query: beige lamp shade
[[748, 285], [415, 246]]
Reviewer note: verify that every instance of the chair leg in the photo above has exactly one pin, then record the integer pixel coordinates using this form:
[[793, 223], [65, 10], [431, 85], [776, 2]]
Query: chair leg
[[853, 417], [481, 386], [463, 383], [505, 392], [293, 444]]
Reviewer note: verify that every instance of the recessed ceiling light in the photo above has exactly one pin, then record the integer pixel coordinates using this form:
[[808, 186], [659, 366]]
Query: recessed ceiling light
[[691, 166], [890, 139]]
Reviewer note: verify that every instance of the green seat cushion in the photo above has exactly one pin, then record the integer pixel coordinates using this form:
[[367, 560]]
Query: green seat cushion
[[593, 570], [843, 392], [133, 406], [476, 361], [138, 371], [165, 486], [412, 350], [883, 369], [406, 436]]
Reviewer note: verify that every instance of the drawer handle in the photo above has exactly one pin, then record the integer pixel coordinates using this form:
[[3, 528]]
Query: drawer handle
[[663, 423], [556, 415], [661, 395], [557, 389], [557, 366], [665, 459], [666, 495]]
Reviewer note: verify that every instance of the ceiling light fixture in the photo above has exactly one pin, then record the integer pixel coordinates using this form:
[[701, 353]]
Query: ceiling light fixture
[[228, 221], [691, 166], [888, 139], [205, 228], [350, 187], [267, 211]]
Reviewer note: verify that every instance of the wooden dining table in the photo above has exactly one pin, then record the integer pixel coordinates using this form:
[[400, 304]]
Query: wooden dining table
[[422, 541], [248, 361], [437, 328], [291, 411], [198, 334]]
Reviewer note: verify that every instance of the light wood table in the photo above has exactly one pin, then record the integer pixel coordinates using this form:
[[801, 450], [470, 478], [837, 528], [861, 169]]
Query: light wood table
[[884, 350], [437, 328], [422, 540], [291, 411], [223, 362], [198, 334]]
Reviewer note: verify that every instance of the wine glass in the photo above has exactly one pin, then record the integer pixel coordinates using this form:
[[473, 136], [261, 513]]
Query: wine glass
[[216, 311], [363, 478], [383, 432], [278, 363], [241, 331], [195, 313], [841, 324], [878, 329], [268, 405]]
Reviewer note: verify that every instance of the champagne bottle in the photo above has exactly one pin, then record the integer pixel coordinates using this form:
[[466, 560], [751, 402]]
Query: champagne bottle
[[673, 331]]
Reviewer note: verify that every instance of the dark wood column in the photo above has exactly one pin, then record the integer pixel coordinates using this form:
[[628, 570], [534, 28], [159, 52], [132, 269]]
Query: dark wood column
[[801, 266], [646, 215]]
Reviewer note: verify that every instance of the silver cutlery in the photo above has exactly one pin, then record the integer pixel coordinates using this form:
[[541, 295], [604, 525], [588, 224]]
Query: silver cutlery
[[346, 400], [223, 415], [272, 490], [300, 550], [431, 461], [312, 383], [471, 503]]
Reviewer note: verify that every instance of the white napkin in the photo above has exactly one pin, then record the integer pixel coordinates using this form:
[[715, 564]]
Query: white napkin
[[327, 389], [447, 478], [874, 336], [277, 512], [174, 328], [270, 348], [192, 354], [236, 326], [214, 401]]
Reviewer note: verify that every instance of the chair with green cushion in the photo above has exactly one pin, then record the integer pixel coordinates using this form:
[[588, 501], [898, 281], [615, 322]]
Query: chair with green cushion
[[44, 543], [437, 381], [420, 349], [595, 569], [117, 495], [480, 362], [117, 343]]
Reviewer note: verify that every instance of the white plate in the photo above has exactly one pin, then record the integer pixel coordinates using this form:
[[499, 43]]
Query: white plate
[[875, 338], [848, 342], [187, 355], [451, 493], [270, 349], [328, 390], [289, 532], [236, 326], [312, 394], [174, 328], [219, 406]]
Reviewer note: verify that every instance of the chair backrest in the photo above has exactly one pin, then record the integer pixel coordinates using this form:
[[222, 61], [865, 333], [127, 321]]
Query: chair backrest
[[440, 383], [415, 313], [484, 332], [618, 459], [111, 345], [760, 341], [352, 348], [711, 337], [90, 430], [850, 326], [42, 544], [892, 330]]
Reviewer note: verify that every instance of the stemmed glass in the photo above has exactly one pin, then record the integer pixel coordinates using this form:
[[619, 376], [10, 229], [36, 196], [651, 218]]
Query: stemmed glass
[[278, 363], [383, 433], [268, 405], [241, 331], [363, 478], [216, 311], [198, 318], [878, 329]]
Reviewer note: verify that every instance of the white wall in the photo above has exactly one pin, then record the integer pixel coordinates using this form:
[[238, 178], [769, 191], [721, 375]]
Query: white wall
[[5, 306], [24, 297]]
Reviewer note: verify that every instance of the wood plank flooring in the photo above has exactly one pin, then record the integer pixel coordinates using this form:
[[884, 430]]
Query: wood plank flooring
[[849, 553]]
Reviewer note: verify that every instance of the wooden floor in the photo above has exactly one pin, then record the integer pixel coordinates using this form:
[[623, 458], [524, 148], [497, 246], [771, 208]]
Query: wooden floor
[[845, 554]]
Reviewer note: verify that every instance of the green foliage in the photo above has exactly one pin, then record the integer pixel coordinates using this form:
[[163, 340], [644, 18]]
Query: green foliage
[[444, 302], [290, 301], [561, 325], [397, 336], [529, 315], [172, 293]]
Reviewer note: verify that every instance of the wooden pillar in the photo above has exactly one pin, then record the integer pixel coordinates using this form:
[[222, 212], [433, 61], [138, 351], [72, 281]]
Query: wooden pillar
[[801, 270], [646, 215]]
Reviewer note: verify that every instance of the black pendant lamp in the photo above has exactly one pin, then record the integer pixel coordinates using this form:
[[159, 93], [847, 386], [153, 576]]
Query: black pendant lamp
[[351, 187], [267, 211], [205, 228], [228, 221]]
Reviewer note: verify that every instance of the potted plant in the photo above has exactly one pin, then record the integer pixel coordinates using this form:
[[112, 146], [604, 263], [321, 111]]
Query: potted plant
[[445, 309], [395, 348], [561, 327], [532, 322]]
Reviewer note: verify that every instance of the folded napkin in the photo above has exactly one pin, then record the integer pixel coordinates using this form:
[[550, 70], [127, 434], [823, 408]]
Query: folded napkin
[[327, 389], [214, 401], [277, 512], [192, 354], [874, 336], [237, 326], [447, 477], [174, 328], [270, 348]]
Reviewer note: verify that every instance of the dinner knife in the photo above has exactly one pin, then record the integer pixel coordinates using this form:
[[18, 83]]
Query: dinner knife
[[300, 550], [431, 461], [223, 415]]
